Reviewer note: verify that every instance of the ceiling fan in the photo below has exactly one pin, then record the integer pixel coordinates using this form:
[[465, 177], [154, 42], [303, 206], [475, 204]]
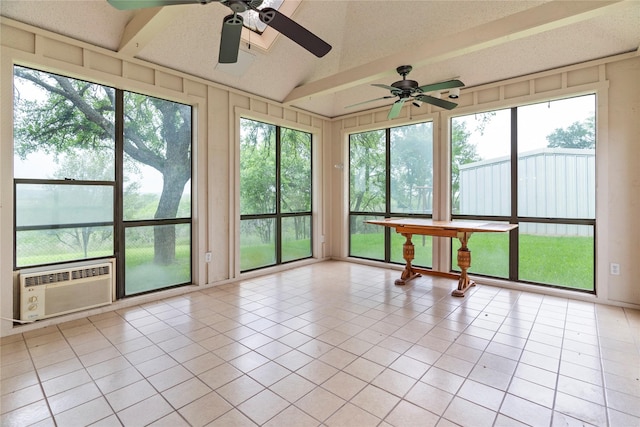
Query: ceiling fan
[[232, 24], [408, 90]]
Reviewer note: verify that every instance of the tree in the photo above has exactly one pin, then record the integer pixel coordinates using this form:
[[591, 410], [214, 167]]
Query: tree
[[411, 167], [367, 170], [258, 175], [580, 134], [462, 152], [78, 115]]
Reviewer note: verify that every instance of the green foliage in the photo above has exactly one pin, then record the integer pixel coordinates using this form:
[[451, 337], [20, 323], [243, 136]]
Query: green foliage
[[367, 175], [462, 152], [73, 122], [580, 134], [411, 169]]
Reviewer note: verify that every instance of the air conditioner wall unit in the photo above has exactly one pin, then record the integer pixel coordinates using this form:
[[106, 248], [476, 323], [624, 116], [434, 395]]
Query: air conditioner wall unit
[[65, 288]]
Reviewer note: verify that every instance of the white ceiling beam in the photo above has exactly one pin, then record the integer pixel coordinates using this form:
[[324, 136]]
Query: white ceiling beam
[[548, 16], [145, 25]]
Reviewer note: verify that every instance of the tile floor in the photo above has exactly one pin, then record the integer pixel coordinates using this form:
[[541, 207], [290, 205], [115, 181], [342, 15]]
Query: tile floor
[[332, 344]]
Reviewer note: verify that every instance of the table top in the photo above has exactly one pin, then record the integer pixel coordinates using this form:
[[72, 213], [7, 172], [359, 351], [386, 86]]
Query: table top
[[429, 224]]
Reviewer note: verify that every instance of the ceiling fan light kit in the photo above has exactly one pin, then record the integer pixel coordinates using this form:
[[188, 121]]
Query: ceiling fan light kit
[[408, 90], [232, 24]]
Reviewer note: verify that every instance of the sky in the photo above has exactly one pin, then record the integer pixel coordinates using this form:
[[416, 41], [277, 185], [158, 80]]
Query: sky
[[535, 122]]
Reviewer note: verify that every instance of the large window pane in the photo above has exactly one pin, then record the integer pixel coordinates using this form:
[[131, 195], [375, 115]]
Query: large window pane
[[257, 168], [367, 172], [295, 171], [64, 157], [556, 159], [157, 158], [257, 243], [557, 254], [56, 204], [480, 170], [145, 269], [63, 127], [412, 168], [489, 254], [296, 237], [37, 247], [275, 195], [366, 240]]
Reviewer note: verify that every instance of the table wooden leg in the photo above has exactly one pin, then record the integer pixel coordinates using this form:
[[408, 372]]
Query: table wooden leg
[[464, 262], [408, 252]]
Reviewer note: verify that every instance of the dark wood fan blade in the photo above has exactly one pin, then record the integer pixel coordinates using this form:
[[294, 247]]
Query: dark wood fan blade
[[230, 40], [442, 103], [395, 109], [141, 4], [291, 29], [371, 100], [442, 85]]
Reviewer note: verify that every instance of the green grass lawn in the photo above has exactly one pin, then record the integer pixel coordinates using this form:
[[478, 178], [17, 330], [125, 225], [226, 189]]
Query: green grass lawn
[[552, 260]]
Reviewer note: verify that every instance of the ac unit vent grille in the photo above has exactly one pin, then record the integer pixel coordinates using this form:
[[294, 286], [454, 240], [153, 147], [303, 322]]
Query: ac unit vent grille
[[46, 279], [90, 272]]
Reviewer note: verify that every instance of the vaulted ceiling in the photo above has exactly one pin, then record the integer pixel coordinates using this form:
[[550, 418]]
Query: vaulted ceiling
[[476, 41]]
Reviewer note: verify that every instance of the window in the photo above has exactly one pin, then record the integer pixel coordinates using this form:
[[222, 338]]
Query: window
[[64, 171], [100, 172], [533, 165], [275, 195], [390, 174], [156, 226]]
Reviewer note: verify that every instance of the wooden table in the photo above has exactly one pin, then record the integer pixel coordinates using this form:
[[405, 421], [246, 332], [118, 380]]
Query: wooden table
[[462, 230]]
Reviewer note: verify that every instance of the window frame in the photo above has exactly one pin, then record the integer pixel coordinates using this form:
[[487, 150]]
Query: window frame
[[513, 217], [278, 215]]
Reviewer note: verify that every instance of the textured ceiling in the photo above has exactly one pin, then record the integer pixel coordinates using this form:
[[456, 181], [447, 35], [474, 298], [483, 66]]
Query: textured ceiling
[[476, 41]]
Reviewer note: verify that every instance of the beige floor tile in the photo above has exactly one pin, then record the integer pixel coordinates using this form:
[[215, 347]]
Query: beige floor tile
[[19, 398], [406, 414], [130, 395], [317, 371], [26, 415], [85, 414], [350, 415], [376, 401], [531, 391], [466, 413], [118, 380], [320, 403], [292, 417], [263, 406], [394, 382], [220, 375], [428, 397], [269, 373], [186, 392], [240, 389], [145, 412], [292, 387], [204, 410], [74, 397], [233, 418], [525, 411], [344, 385], [65, 382], [364, 352]]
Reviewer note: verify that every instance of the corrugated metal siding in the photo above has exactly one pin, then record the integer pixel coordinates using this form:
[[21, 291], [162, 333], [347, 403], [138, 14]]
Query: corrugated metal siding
[[552, 183]]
